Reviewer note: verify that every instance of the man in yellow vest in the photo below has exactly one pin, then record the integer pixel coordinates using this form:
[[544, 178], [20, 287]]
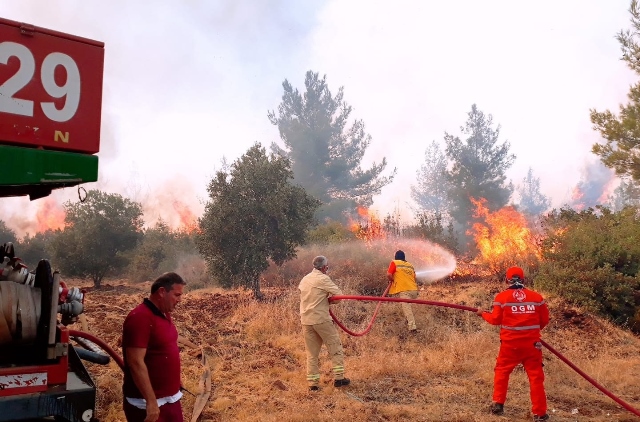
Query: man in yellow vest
[[403, 285]]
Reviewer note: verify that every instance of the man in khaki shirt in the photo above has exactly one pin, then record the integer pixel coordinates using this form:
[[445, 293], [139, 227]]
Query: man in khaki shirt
[[317, 326]]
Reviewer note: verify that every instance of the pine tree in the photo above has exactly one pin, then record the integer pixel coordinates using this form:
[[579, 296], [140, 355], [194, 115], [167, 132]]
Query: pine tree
[[325, 154]]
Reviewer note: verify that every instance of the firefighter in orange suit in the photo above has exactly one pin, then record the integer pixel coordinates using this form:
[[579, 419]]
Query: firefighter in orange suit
[[521, 314]]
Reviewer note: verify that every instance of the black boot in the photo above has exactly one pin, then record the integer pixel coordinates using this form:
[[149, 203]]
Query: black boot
[[342, 382]]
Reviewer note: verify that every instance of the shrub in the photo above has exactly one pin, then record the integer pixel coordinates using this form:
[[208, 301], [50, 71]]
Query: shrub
[[363, 264], [592, 258], [328, 233]]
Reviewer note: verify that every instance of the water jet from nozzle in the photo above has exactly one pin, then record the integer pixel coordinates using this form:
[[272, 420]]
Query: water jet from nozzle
[[433, 274]]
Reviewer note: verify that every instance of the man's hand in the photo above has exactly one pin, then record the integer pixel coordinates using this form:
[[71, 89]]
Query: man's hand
[[140, 374], [153, 411]]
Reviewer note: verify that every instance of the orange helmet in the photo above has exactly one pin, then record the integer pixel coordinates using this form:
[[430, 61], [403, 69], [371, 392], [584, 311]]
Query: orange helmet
[[515, 274]]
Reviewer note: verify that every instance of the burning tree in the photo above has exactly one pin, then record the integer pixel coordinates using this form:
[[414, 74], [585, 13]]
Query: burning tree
[[369, 227], [478, 167], [503, 238]]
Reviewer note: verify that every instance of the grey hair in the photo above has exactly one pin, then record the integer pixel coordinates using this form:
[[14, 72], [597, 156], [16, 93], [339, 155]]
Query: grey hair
[[319, 262]]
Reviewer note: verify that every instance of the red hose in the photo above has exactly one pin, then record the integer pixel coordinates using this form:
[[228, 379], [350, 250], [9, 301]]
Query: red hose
[[470, 309], [104, 346], [591, 380], [373, 318]]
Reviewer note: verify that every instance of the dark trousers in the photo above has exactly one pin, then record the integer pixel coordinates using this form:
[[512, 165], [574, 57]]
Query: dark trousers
[[170, 412]]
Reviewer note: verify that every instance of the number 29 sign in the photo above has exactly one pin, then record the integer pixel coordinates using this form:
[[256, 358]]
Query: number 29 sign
[[50, 88]]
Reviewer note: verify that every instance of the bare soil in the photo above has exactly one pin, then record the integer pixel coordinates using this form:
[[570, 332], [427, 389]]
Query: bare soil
[[444, 373]]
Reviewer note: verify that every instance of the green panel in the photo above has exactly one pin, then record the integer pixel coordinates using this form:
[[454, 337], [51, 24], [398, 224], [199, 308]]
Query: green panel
[[30, 166]]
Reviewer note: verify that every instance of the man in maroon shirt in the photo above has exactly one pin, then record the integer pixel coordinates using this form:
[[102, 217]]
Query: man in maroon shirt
[[152, 381]]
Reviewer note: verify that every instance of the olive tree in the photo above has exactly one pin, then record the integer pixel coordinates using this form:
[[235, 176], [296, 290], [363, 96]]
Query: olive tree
[[254, 214], [97, 235]]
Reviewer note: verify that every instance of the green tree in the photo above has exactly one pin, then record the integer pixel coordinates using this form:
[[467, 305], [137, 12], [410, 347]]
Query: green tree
[[478, 167], [7, 234], [532, 201], [156, 245], [431, 227], [98, 234], [592, 258], [431, 192], [330, 232], [621, 150], [325, 154], [625, 194], [36, 247], [253, 214]]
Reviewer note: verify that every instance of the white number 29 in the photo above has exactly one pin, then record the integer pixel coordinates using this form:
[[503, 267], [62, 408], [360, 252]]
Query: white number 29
[[22, 107]]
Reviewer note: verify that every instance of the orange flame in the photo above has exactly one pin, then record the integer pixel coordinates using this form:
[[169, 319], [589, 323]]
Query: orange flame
[[188, 220], [50, 215], [369, 227], [503, 238]]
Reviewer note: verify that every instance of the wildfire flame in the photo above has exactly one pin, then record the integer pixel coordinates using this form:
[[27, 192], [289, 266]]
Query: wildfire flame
[[503, 237], [188, 220], [50, 215], [369, 227]]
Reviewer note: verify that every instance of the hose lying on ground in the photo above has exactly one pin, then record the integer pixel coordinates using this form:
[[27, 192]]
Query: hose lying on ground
[[470, 309]]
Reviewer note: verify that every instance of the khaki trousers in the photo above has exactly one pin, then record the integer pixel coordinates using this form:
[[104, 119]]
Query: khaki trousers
[[314, 337], [406, 307]]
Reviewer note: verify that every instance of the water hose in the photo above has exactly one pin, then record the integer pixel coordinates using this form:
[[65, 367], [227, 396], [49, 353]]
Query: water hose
[[116, 357], [591, 380], [470, 309], [373, 318]]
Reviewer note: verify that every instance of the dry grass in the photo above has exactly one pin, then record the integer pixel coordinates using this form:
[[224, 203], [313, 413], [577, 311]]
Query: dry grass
[[443, 374]]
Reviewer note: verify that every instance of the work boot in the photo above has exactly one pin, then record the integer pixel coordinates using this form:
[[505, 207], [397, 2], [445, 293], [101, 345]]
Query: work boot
[[342, 382], [314, 388], [544, 417], [497, 408]]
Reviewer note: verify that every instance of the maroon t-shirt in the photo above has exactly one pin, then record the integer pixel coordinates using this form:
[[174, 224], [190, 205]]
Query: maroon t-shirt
[[147, 327]]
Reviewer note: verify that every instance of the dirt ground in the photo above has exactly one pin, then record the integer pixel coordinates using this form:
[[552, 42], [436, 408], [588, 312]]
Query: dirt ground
[[257, 359]]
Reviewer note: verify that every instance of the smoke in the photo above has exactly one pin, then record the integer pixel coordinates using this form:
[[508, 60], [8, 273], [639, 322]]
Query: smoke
[[595, 186]]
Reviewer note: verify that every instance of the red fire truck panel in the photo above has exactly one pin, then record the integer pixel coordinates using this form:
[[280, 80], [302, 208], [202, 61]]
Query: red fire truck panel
[[50, 88]]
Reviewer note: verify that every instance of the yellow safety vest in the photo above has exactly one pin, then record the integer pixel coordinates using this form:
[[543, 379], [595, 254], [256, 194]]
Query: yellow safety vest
[[404, 279]]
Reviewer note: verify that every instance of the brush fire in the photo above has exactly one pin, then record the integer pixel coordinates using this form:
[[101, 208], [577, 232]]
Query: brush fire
[[503, 237]]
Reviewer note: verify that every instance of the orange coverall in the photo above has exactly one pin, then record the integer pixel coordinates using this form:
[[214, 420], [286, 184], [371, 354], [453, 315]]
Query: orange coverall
[[521, 314]]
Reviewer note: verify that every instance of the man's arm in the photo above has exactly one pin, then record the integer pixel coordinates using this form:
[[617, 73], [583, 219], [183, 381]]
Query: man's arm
[[544, 315], [330, 287], [391, 271], [140, 375], [494, 317]]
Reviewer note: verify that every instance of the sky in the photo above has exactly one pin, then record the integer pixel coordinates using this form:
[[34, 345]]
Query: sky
[[190, 82]]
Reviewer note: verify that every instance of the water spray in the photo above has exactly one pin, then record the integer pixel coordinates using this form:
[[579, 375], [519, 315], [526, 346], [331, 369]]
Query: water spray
[[433, 274]]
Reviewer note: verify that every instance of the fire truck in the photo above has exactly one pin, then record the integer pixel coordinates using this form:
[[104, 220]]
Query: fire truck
[[50, 114]]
